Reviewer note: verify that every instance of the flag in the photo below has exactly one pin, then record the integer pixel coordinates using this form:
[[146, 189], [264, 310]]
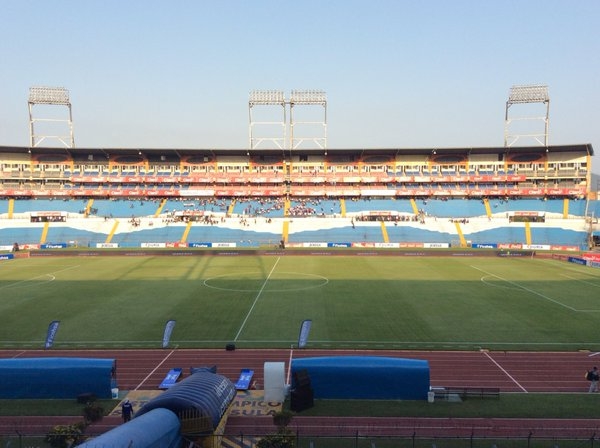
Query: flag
[[52, 329], [304, 331], [167, 334]]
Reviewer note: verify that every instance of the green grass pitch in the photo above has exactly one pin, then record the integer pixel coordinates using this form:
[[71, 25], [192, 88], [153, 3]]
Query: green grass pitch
[[362, 302]]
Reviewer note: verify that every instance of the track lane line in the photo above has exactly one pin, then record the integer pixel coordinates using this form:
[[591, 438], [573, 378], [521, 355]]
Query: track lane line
[[155, 369], [505, 372]]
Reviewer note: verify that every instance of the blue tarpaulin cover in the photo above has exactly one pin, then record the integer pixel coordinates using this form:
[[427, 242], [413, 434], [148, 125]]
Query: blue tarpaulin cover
[[365, 377], [56, 377]]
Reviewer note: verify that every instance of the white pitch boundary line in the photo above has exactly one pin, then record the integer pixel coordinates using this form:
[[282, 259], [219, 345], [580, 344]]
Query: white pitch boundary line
[[156, 368], [505, 372], [539, 294], [256, 299], [595, 285]]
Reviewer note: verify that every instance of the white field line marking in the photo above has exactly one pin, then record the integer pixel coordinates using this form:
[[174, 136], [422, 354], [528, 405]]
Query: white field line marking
[[539, 294], [256, 300], [155, 369], [152, 343], [505, 372], [581, 281], [51, 275]]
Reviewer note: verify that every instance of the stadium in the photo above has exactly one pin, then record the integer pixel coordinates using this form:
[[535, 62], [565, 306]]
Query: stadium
[[238, 246]]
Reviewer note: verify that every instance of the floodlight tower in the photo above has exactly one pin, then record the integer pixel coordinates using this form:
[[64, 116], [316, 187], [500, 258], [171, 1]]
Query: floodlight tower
[[50, 96], [319, 127], [522, 95], [269, 124]]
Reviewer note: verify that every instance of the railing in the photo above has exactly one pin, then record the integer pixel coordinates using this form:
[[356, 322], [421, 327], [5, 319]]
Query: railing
[[20, 439]]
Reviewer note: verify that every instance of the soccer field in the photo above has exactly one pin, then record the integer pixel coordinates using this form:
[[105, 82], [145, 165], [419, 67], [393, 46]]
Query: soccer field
[[363, 302]]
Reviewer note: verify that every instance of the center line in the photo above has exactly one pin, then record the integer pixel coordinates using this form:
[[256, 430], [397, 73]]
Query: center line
[[256, 300]]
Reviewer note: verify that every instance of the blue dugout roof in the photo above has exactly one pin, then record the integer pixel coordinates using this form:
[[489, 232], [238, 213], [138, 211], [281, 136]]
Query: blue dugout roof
[[365, 377], [56, 377]]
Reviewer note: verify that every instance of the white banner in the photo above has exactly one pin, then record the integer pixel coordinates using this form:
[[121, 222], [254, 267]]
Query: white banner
[[304, 332], [167, 334]]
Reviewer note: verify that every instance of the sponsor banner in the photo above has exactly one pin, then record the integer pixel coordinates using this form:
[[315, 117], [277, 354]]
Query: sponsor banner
[[510, 246], [565, 248], [536, 246], [167, 333], [339, 244], [6, 256], [177, 245], [7, 247], [29, 246], [54, 246], [224, 245], [304, 332], [200, 245], [51, 334], [526, 213], [106, 245], [155, 245], [411, 245], [594, 264], [314, 244], [192, 192], [363, 244], [591, 256], [484, 246], [387, 245], [576, 260], [436, 245]]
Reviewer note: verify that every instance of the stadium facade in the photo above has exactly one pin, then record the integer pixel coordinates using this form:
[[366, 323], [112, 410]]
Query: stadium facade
[[116, 197]]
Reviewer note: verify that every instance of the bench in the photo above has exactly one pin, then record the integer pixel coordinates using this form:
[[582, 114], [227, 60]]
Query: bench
[[466, 392]]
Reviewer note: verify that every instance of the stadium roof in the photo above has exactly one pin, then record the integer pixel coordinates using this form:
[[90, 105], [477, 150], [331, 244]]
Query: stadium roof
[[175, 154]]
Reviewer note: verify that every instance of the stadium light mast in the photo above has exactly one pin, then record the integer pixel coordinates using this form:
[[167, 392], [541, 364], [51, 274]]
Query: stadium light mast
[[518, 127], [50, 96], [272, 125], [317, 129]]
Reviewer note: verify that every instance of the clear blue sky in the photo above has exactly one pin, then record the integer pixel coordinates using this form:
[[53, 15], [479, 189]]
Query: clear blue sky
[[397, 73]]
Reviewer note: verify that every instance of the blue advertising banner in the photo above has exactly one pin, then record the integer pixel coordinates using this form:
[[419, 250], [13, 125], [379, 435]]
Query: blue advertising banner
[[200, 245], [52, 329], [304, 332], [484, 246], [339, 244], [54, 246], [167, 334], [6, 256]]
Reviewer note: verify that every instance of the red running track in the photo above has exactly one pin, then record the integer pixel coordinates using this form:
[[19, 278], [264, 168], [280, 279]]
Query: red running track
[[509, 371]]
